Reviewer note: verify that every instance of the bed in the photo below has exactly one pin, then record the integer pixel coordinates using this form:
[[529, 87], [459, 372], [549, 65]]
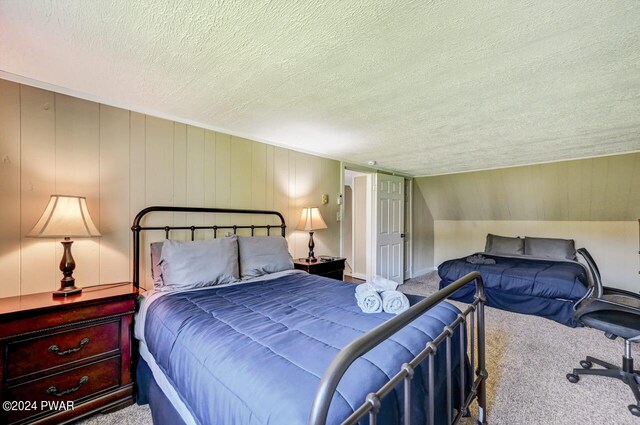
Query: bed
[[292, 348], [546, 280]]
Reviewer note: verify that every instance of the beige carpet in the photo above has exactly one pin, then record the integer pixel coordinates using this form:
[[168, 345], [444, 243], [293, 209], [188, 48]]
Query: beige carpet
[[132, 415], [527, 359]]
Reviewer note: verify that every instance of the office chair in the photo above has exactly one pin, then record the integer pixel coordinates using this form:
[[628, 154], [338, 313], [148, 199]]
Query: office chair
[[617, 313]]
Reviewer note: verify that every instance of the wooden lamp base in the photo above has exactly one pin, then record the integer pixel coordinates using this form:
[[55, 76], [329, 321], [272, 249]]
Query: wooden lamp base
[[312, 245], [67, 265], [65, 291]]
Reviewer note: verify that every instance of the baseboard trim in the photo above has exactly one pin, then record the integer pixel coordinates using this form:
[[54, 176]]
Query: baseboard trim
[[420, 272]]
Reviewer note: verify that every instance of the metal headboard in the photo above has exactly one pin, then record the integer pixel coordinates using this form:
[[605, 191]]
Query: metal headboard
[[136, 228]]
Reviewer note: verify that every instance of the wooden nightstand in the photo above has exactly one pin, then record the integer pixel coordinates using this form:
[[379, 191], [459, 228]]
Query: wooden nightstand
[[333, 269], [59, 350]]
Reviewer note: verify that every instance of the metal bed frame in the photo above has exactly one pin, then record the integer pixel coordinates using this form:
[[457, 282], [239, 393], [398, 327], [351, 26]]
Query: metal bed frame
[[136, 228], [472, 315]]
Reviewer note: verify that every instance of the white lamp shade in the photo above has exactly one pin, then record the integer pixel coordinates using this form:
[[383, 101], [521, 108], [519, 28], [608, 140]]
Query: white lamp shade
[[65, 216], [310, 220]]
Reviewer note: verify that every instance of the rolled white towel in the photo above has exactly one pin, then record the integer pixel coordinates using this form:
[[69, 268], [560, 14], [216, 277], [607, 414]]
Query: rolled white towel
[[381, 284], [394, 302], [368, 299]]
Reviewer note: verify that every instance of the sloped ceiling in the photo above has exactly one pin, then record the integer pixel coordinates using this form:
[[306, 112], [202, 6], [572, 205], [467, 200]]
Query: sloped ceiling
[[595, 189], [421, 87]]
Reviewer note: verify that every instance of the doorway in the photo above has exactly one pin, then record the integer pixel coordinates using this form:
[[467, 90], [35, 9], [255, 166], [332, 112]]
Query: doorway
[[356, 241], [376, 231]]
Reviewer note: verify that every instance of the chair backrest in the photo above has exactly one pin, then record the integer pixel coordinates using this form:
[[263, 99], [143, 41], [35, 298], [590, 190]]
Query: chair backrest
[[594, 271]]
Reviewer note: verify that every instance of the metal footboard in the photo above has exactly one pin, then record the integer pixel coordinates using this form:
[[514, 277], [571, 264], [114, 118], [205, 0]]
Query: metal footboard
[[473, 314]]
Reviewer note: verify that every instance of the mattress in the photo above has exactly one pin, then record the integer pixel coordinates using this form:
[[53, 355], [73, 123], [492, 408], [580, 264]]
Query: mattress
[[148, 297], [542, 287], [254, 353]]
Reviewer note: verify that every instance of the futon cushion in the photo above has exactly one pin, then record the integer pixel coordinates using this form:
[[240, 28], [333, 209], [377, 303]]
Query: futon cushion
[[189, 265], [504, 245], [557, 249], [260, 255]]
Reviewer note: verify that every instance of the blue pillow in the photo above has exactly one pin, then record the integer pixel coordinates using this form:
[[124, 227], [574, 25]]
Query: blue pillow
[[261, 255], [189, 265], [504, 245], [557, 249]]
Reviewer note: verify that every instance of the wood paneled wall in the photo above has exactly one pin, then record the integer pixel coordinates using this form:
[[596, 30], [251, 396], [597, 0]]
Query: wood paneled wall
[[422, 238], [123, 161], [594, 189]]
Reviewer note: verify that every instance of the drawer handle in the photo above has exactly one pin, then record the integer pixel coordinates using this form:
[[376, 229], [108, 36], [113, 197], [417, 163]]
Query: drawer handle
[[55, 349], [54, 391]]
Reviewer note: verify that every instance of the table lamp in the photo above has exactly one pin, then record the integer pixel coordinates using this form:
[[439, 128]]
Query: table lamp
[[309, 221], [65, 217]]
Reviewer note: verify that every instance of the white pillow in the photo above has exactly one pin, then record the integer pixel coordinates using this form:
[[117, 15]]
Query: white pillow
[[188, 265], [156, 257], [260, 255]]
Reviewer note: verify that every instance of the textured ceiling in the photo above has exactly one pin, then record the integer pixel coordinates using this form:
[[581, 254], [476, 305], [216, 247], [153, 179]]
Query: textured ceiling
[[422, 87]]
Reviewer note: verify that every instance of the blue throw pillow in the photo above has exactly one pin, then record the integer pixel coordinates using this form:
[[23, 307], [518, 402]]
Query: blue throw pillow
[[189, 265], [504, 245]]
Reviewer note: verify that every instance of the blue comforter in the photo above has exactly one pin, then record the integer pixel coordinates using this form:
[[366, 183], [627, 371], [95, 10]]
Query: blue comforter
[[544, 288], [255, 353]]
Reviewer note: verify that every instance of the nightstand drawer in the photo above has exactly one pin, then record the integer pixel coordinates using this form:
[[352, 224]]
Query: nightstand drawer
[[332, 269], [66, 349], [75, 384], [322, 267], [51, 350], [338, 275]]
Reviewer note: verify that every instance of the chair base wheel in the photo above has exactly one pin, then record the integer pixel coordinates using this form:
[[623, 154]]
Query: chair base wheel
[[572, 378], [586, 364], [634, 409]]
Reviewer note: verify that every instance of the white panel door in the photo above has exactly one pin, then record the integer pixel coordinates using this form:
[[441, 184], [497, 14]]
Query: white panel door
[[389, 225]]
